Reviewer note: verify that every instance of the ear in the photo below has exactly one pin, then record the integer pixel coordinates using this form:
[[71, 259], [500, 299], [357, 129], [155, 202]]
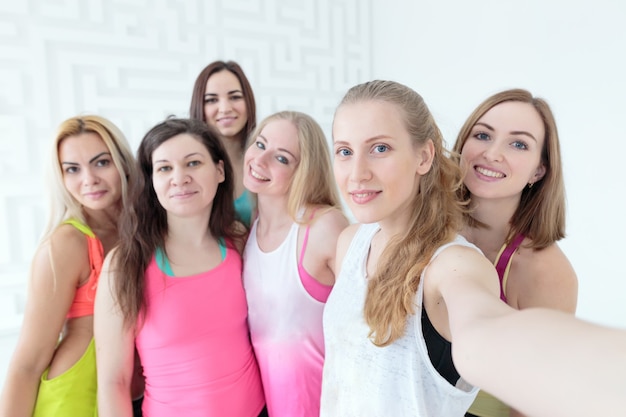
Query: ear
[[539, 173], [425, 156], [220, 171]]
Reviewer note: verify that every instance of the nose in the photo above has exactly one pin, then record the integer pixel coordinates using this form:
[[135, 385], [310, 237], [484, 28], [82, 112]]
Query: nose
[[224, 106], [360, 170], [89, 177], [180, 177], [493, 152]]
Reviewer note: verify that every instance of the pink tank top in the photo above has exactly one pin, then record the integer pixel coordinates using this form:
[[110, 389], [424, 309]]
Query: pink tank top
[[195, 347], [285, 308]]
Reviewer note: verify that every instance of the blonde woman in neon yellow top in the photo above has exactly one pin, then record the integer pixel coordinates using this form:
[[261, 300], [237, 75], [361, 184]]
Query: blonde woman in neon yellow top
[[52, 372], [509, 149]]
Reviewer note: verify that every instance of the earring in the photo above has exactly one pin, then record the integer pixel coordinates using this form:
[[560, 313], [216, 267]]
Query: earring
[[530, 184]]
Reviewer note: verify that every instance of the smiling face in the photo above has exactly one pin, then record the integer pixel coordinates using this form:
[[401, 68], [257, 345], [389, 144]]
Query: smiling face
[[377, 167], [89, 174], [224, 104], [271, 161], [502, 154], [184, 176]]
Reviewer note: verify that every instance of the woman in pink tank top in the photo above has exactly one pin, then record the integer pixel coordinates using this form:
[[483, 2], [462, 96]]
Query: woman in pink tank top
[[509, 148], [53, 370], [289, 259], [174, 286]]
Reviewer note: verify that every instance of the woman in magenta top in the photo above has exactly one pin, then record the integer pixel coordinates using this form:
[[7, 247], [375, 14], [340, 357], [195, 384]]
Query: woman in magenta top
[[174, 285]]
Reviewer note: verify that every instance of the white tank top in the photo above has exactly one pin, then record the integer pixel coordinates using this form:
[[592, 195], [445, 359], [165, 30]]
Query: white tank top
[[361, 379], [285, 327]]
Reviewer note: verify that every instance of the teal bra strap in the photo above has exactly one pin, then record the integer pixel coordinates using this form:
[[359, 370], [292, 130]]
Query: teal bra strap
[[222, 246], [164, 264]]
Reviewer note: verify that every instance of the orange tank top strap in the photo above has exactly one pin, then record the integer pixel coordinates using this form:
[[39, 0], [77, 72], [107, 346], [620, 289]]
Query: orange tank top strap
[[85, 296]]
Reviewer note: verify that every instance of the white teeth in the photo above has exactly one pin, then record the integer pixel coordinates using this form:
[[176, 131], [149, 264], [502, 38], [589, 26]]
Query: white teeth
[[361, 195], [489, 173], [257, 176]]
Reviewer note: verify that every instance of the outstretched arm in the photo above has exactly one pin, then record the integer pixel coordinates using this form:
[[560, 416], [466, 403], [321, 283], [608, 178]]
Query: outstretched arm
[[115, 345], [542, 362]]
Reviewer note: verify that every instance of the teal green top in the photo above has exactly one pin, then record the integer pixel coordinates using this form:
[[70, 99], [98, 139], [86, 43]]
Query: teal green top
[[164, 264], [244, 205]]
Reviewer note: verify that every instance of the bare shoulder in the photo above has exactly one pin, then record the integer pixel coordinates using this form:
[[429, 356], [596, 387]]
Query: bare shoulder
[[543, 278], [330, 220], [64, 257], [458, 260]]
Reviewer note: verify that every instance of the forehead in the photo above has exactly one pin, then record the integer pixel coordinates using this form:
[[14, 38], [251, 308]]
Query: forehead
[[84, 143], [365, 119], [512, 116], [178, 147], [222, 81], [281, 133]]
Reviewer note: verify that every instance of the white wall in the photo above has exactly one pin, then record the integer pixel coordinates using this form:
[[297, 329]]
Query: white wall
[[457, 53], [135, 62]]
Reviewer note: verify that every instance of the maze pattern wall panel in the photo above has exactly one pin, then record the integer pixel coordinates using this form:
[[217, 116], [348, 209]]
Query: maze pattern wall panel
[[135, 62]]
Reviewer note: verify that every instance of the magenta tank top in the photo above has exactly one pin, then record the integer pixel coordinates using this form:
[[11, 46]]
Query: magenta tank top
[[195, 347]]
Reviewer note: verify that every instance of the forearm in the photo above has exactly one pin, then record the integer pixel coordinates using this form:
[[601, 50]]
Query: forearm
[[114, 400], [19, 394], [545, 363]]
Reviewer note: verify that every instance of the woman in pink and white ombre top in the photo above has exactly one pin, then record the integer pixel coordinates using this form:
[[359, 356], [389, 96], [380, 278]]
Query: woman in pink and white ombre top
[[174, 286], [289, 259]]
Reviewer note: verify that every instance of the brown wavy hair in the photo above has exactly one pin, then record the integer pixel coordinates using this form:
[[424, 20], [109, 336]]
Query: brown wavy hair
[[196, 108], [144, 221], [540, 214], [435, 220]]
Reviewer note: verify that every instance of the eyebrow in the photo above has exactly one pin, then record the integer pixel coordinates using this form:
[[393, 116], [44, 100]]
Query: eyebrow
[[95, 158], [372, 139], [513, 132], [280, 149], [230, 92], [184, 157]]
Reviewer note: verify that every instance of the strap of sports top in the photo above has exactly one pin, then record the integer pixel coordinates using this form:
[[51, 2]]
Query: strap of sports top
[[306, 237], [503, 261]]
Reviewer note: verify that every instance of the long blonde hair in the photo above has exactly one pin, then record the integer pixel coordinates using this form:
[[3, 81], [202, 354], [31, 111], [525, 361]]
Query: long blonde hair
[[435, 220], [312, 182], [62, 205]]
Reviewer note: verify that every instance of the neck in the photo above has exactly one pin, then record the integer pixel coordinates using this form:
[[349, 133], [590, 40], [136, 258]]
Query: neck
[[496, 214], [272, 211], [104, 220], [188, 231]]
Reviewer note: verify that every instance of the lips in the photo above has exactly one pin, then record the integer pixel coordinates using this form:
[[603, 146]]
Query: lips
[[257, 176], [183, 194], [95, 194], [488, 172], [363, 196]]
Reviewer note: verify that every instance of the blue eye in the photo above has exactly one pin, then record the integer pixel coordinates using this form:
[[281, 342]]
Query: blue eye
[[381, 148], [282, 160], [343, 152], [481, 136], [520, 145], [259, 145]]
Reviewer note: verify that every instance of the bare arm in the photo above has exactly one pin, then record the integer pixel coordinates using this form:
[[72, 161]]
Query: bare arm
[[319, 258], [50, 294], [115, 344], [547, 280], [562, 366]]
